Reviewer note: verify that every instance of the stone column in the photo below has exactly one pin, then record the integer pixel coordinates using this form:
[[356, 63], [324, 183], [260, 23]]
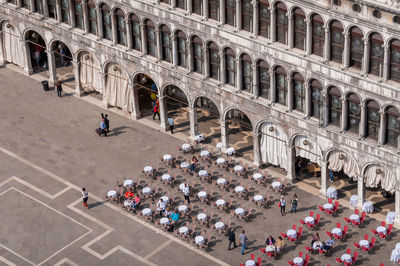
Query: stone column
[[290, 93], [189, 7], [327, 45], [18, 4], [308, 99], [163, 113], [85, 12], [291, 157], [290, 37], [129, 43], [360, 191], [173, 4], [114, 29], [71, 13], [363, 122], [45, 8], [159, 54], [255, 82], [272, 89], [324, 177], [51, 58], [385, 73], [256, 148], [222, 68], [205, 9], [326, 108], [2, 54], [135, 103], [309, 38], [346, 52], [27, 58], [344, 114], [238, 74], [174, 41], [397, 207], [104, 90], [238, 15], [224, 134], [190, 56], [31, 6], [143, 37], [222, 9], [206, 61], [193, 122], [255, 18], [99, 23], [58, 9], [78, 88], [382, 129], [272, 31], [365, 66]]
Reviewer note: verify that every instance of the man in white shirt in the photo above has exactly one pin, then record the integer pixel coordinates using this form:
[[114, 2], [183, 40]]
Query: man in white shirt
[[186, 192], [161, 205]]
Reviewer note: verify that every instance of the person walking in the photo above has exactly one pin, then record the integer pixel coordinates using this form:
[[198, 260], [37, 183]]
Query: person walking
[[103, 128], [186, 192], [282, 204], [243, 241], [231, 239], [107, 123], [193, 163], [85, 197], [295, 200], [171, 124], [59, 89], [331, 176], [155, 112], [37, 58]]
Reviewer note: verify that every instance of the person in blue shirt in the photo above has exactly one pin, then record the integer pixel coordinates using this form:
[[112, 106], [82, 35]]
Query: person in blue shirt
[[331, 176], [171, 124], [103, 127], [174, 217]]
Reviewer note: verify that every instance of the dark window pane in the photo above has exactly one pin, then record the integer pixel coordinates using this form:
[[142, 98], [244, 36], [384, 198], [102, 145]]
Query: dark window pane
[[318, 37], [247, 15], [282, 26], [337, 43], [264, 22], [247, 75], [65, 11], [230, 70], [281, 88], [230, 12], [264, 80], [299, 95], [300, 28], [213, 6]]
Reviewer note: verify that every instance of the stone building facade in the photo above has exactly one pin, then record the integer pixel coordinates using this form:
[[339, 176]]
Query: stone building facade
[[316, 79]]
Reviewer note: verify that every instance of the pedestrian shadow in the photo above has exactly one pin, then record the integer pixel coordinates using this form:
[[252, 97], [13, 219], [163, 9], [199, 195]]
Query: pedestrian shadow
[[93, 205], [117, 131]]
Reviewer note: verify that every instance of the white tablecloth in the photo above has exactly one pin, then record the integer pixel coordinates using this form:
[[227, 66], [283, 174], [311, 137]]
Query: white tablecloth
[[239, 211], [165, 198], [164, 221], [317, 245], [250, 263], [355, 217], [146, 190], [199, 240], [167, 157], [199, 138], [202, 194], [186, 147], [203, 173], [364, 243], [354, 200], [219, 145], [183, 230], [204, 153], [258, 198], [202, 216], [146, 211], [219, 225], [238, 168], [148, 169], [166, 177], [257, 176], [112, 193], [239, 189], [221, 161], [331, 193], [221, 181], [182, 186], [230, 151], [328, 206], [346, 258], [270, 248], [291, 233], [309, 219], [128, 203], [298, 261], [390, 217], [395, 257], [182, 208], [381, 229], [337, 231], [128, 182], [368, 207], [184, 165], [398, 246], [276, 184], [220, 202]]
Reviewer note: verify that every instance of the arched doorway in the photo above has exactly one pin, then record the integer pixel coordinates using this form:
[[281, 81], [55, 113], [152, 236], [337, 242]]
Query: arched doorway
[[89, 73], [307, 157], [36, 48], [176, 104], [13, 48], [146, 94], [273, 142], [239, 133], [207, 115], [117, 92], [63, 63]]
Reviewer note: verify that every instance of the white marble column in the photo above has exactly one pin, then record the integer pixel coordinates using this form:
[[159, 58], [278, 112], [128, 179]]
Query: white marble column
[[163, 113], [173, 4], [385, 74], [272, 31], [222, 71], [135, 103], [256, 148], [27, 58], [238, 16], [255, 83], [290, 93], [238, 74], [78, 88], [344, 114], [309, 37], [327, 45], [2, 54], [31, 6], [85, 11], [382, 129], [51, 59], [129, 43], [397, 207], [290, 37], [291, 157], [346, 52], [189, 7], [99, 23], [365, 61], [159, 54], [143, 38], [174, 41], [255, 18], [45, 8], [114, 30], [272, 89], [224, 134], [363, 122], [307, 89], [324, 177], [103, 89], [222, 10], [193, 122], [206, 61], [360, 191], [205, 9]]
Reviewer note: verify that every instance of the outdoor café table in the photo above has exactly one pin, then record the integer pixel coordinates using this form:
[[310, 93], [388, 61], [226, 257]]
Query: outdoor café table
[[203, 173], [146, 211], [390, 217], [337, 231], [202, 216], [331, 193], [164, 221], [291, 233], [354, 200], [184, 165], [347, 258], [165, 198], [186, 147], [167, 157], [219, 225], [112, 193], [204, 153], [250, 263], [309, 220], [198, 138], [220, 202], [182, 208], [270, 248], [221, 161], [381, 230], [219, 145], [398, 246], [166, 177], [355, 217], [239, 211], [368, 207], [199, 240], [238, 168], [183, 230], [395, 257], [239, 189], [202, 194], [258, 198], [317, 245], [221, 181], [148, 169], [328, 206], [230, 151], [364, 243], [298, 261], [146, 190], [182, 186], [128, 182], [257, 176], [276, 184]]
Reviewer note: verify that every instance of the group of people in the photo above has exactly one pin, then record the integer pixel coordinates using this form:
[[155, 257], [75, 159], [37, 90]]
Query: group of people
[[317, 244], [294, 202], [132, 201], [166, 212], [104, 125]]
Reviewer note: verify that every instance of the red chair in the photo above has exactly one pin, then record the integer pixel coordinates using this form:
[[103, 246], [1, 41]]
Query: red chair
[[347, 220], [329, 212], [389, 231], [355, 257], [321, 208], [292, 239], [271, 254], [348, 251], [356, 245], [383, 223], [335, 208], [374, 231], [311, 213], [242, 264], [307, 260], [338, 225], [372, 243], [339, 260], [262, 250], [317, 219], [259, 261], [299, 233], [283, 235], [291, 263], [302, 222], [294, 227], [310, 225], [252, 256], [362, 219], [309, 249], [357, 211], [330, 200], [300, 254], [329, 234], [345, 229], [366, 237]]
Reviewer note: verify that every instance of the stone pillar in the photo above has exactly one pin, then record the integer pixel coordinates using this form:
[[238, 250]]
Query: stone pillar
[[78, 88], [385, 73], [222, 9], [2, 54], [159, 54], [363, 122], [255, 18], [45, 9], [256, 148], [344, 114], [104, 90], [129, 43], [224, 134], [85, 12], [27, 58], [58, 9], [174, 42], [365, 66], [255, 86], [190, 56], [290, 37], [346, 52], [290, 94], [206, 61], [114, 30], [325, 105], [382, 129], [99, 23], [291, 157], [238, 74], [173, 4], [272, 89], [51, 59], [71, 14], [135, 103], [360, 191], [222, 68], [308, 99], [272, 32], [163, 113], [205, 9], [324, 177], [143, 37], [189, 7], [327, 45], [397, 207], [193, 122], [309, 38], [238, 15]]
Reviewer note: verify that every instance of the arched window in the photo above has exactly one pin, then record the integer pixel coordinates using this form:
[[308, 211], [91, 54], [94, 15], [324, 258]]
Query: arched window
[[182, 49], [230, 12], [213, 9], [197, 6], [335, 107], [166, 44], [214, 60], [65, 11], [263, 79], [121, 26], [318, 35], [92, 16], [280, 85], [136, 33], [394, 72], [198, 55], [281, 23], [39, 6], [25, 4], [181, 4], [300, 29], [316, 98], [356, 48], [230, 66], [354, 113], [392, 126], [298, 92], [373, 120], [151, 38], [78, 14], [107, 28], [52, 8], [247, 15], [337, 41], [247, 73], [264, 18], [376, 52]]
